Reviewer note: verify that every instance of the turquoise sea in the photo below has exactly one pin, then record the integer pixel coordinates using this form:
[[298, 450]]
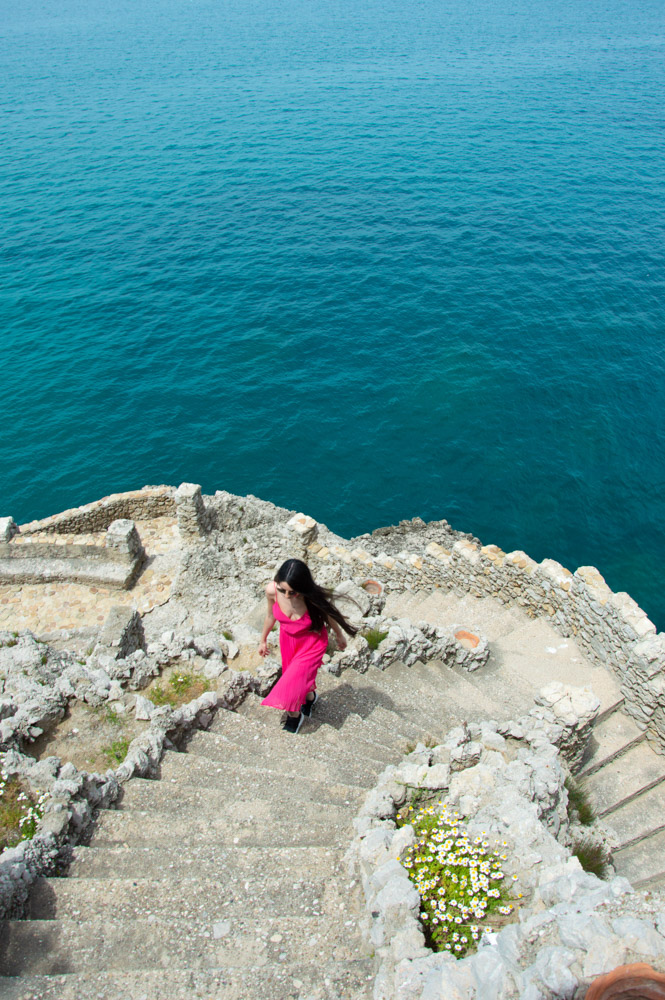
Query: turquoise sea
[[369, 261]]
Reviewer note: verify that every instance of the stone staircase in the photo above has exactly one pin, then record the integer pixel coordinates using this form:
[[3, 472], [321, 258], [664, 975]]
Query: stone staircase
[[226, 880], [626, 782]]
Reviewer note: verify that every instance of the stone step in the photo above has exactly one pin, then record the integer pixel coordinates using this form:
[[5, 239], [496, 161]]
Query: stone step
[[350, 709], [228, 864], [248, 821], [230, 802], [219, 757], [325, 740], [407, 733], [534, 655], [525, 654], [267, 736], [509, 629], [639, 817], [139, 793], [329, 717], [445, 609], [605, 713], [201, 894], [48, 947], [431, 697], [464, 695], [642, 862], [625, 777], [323, 979], [309, 752], [609, 739]]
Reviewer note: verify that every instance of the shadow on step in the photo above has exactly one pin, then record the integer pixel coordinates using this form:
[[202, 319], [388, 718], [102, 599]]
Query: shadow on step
[[29, 948], [344, 701]]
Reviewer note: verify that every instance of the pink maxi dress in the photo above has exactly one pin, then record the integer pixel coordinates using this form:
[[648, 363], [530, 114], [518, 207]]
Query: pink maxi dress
[[302, 653]]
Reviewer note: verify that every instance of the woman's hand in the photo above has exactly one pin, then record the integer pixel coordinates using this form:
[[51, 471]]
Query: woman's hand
[[341, 641], [263, 647]]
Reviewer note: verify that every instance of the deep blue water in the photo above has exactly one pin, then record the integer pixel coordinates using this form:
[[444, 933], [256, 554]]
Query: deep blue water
[[369, 261]]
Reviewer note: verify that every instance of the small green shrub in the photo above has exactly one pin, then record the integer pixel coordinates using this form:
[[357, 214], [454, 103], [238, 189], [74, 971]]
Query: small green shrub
[[579, 802], [460, 882], [227, 635], [116, 752], [592, 856], [180, 687], [20, 812], [374, 637]]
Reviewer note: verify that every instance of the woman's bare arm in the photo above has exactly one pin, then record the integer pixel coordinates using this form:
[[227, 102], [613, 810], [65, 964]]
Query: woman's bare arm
[[269, 620]]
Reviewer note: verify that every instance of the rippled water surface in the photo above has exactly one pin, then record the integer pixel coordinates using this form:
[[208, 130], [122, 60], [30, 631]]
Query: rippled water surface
[[368, 261]]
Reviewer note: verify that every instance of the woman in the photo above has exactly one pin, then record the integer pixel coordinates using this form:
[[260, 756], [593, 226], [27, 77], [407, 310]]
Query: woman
[[304, 612]]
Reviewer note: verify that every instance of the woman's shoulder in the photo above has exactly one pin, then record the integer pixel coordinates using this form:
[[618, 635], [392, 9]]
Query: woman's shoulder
[[271, 593]]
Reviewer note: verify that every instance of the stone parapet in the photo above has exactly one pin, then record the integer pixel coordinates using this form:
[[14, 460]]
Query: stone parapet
[[137, 505], [8, 528]]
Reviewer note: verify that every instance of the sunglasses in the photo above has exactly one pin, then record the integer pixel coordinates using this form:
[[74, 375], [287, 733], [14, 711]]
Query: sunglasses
[[286, 592]]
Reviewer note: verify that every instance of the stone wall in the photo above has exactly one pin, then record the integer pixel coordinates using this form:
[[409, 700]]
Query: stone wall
[[136, 505]]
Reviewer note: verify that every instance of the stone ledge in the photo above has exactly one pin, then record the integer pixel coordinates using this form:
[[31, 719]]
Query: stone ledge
[[78, 570]]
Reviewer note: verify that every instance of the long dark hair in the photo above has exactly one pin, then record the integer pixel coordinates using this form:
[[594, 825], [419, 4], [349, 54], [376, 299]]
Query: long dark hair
[[317, 600]]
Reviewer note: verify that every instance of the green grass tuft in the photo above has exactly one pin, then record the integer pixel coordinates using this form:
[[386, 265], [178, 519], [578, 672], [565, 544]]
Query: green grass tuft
[[579, 802], [181, 686], [116, 752], [592, 856], [374, 637]]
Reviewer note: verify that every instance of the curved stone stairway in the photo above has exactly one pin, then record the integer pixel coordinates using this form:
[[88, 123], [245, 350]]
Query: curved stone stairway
[[226, 878]]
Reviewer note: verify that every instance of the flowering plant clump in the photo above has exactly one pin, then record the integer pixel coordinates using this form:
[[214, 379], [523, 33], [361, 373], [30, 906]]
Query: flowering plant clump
[[20, 813], [460, 881]]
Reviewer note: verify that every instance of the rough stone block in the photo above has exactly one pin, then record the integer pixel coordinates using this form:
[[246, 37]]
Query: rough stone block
[[8, 528], [304, 526], [597, 589], [123, 538], [122, 632], [190, 511]]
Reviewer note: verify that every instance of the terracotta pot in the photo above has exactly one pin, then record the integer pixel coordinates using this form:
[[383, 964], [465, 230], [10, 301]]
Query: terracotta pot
[[373, 587], [467, 639], [629, 982]]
